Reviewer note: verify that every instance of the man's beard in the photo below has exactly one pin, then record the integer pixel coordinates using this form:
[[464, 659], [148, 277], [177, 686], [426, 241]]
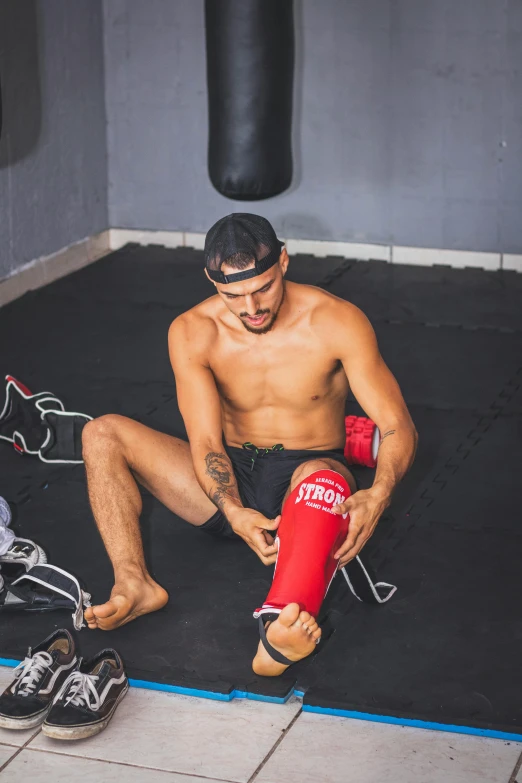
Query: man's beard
[[266, 327]]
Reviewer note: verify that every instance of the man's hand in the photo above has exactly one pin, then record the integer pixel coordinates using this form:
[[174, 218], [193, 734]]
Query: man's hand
[[365, 508], [252, 527]]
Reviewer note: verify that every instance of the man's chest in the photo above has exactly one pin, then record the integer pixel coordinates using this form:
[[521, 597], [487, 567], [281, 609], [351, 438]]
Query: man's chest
[[265, 374]]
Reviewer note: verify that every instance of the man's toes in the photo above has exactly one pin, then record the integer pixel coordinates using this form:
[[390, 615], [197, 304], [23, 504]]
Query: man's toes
[[316, 634], [289, 615], [90, 618], [107, 625], [305, 618], [104, 611], [309, 622]]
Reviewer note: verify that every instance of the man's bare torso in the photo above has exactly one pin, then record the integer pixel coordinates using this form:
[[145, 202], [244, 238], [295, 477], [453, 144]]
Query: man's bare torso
[[286, 386]]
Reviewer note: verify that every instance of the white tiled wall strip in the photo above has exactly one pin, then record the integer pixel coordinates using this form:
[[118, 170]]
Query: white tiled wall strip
[[44, 270]]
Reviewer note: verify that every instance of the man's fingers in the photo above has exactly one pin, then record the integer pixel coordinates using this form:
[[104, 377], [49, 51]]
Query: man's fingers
[[269, 539], [265, 555], [266, 551], [353, 552], [350, 556], [343, 508], [260, 543], [348, 544], [268, 560], [273, 523]]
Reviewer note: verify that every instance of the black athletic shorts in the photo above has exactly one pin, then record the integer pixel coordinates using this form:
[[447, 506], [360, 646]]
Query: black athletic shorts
[[263, 476]]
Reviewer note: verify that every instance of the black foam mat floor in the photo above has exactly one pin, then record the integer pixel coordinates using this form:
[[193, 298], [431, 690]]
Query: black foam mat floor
[[446, 647]]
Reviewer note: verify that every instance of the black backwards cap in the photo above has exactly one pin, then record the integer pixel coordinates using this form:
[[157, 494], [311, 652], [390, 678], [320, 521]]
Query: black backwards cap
[[241, 232]]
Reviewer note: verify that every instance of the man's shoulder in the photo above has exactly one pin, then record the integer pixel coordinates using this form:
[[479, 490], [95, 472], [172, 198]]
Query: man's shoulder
[[198, 323], [327, 308], [336, 322]]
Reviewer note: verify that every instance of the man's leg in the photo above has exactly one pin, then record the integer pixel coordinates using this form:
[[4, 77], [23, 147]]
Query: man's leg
[[295, 632], [117, 452]]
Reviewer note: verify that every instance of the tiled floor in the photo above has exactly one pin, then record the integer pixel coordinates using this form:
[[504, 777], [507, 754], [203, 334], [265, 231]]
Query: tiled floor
[[165, 738]]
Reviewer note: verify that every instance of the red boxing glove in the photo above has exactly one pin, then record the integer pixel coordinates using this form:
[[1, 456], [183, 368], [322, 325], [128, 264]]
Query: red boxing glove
[[308, 536]]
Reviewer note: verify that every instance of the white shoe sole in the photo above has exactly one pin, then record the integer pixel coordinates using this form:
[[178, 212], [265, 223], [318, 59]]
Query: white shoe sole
[[19, 724], [80, 732]]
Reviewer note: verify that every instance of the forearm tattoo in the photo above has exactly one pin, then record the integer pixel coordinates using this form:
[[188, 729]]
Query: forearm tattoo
[[219, 468], [390, 432]]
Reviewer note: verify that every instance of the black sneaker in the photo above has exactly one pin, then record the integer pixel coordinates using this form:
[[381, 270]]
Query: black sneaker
[[37, 680], [88, 698]]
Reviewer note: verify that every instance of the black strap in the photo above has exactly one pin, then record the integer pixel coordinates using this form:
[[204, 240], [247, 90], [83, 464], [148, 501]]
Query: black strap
[[260, 267], [64, 439], [67, 433], [275, 654], [9, 590]]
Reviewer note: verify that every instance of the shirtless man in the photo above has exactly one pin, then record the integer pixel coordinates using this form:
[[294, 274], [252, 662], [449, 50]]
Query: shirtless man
[[262, 369]]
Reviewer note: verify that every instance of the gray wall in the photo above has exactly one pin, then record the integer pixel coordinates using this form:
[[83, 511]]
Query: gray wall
[[53, 170], [408, 122]]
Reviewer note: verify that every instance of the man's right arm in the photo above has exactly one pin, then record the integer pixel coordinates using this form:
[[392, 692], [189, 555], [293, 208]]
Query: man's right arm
[[199, 404], [198, 401]]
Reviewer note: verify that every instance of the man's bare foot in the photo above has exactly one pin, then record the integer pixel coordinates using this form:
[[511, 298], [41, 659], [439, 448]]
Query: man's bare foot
[[129, 599], [294, 634]]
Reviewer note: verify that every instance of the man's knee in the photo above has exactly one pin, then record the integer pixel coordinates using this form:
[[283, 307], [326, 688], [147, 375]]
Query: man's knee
[[307, 468], [101, 432]]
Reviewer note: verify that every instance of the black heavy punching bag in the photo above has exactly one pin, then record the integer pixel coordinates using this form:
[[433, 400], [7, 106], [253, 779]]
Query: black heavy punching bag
[[250, 68]]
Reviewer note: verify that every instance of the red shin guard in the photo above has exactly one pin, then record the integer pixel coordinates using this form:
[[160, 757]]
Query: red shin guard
[[308, 536]]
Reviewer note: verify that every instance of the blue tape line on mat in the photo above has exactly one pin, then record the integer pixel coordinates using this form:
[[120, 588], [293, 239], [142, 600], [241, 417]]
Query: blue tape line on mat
[[235, 694], [260, 697], [368, 716], [9, 662], [416, 724], [159, 686]]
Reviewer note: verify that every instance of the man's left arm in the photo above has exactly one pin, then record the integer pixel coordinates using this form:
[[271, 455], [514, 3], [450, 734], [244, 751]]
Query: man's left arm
[[378, 393]]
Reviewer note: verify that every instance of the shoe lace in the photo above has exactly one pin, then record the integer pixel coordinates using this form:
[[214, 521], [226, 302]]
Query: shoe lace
[[79, 689], [30, 671], [18, 551]]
